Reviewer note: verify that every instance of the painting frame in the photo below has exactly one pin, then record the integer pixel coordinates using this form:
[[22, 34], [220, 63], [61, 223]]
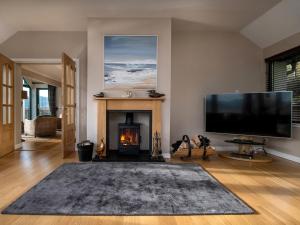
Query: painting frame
[[121, 86]]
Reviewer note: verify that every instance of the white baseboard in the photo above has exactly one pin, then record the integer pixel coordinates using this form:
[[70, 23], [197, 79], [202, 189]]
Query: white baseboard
[[166, 155], [283, 155], [269, 150], [17, 146]]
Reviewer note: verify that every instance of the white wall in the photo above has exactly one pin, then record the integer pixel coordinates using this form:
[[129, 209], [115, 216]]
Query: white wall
[[206, 62], [82, 95], [97, 28], [203, 62]]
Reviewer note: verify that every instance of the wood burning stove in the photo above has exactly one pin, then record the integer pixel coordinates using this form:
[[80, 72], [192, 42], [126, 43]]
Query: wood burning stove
[[129, 136]]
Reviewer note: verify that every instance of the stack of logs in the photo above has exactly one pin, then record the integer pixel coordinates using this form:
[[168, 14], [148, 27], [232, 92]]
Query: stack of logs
[[196, 152]]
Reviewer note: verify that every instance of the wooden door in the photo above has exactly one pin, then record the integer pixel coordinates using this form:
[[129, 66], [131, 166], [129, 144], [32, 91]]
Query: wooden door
[[6, 105], [69, 105]]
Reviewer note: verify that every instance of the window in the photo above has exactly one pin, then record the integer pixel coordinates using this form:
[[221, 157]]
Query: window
[[43, 102], [283, 74]]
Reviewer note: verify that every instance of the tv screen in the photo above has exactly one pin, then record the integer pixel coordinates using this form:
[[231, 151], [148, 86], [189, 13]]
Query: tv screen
[[257, 114]]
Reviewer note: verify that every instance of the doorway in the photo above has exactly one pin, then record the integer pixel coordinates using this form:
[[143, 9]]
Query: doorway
[[68, 112], [41, 106], [9, 123]]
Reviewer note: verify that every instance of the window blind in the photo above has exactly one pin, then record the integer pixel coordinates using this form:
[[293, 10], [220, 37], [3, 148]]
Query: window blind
[[283, 74]]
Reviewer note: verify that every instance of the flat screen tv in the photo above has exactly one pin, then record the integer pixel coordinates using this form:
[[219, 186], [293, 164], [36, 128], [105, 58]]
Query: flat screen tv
[[255, 114]]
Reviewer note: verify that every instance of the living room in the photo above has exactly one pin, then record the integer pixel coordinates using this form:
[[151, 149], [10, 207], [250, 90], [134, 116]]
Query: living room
[[187, 52], [41, 105]]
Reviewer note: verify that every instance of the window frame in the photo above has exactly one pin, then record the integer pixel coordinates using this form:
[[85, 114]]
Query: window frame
[[286, 55], [38, 100]]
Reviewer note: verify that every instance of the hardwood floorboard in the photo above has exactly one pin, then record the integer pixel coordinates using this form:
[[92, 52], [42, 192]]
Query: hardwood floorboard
[[272, 189]]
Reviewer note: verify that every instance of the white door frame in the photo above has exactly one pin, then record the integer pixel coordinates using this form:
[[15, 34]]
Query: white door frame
[[57, 61]]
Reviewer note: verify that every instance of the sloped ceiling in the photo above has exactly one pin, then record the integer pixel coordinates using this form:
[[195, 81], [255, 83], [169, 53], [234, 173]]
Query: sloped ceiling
[[52, 71], [44, 44], [278, 23], [65, 15], [6, 31]]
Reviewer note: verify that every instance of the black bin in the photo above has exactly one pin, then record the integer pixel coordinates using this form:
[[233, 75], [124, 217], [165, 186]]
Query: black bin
[[85, 151]]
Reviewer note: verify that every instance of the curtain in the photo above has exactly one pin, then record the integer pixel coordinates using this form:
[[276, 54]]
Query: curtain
[[52, 99]]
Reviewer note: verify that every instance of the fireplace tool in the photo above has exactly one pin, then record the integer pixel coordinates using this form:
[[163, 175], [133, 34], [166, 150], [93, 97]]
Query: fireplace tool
[[204, 142], [156, 151]]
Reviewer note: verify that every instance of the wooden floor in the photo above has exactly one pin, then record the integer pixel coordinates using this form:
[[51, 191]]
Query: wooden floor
[[273, 190]]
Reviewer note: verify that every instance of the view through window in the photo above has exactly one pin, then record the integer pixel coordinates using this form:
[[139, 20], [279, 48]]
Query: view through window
[[26, 104], [43, 102]]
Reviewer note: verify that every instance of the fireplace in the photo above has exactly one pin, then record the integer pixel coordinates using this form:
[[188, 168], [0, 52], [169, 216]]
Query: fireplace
[[112, 112], [129, 136]]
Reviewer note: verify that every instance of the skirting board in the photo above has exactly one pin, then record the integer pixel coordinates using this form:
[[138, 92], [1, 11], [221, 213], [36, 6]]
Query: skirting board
[[17, 146], [283, 155], [166, 155], [269, 150]]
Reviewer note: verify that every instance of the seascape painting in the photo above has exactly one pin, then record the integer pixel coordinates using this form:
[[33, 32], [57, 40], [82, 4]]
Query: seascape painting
[[130, 62]]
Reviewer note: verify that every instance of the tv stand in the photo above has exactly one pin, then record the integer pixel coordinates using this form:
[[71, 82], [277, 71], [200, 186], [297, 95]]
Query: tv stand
[[245, 150]]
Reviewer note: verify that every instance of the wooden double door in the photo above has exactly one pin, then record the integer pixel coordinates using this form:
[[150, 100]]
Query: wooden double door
[[7, 105], [69, 105]]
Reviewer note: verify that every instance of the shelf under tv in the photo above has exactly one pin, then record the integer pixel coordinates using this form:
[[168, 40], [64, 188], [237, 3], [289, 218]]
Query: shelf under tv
[[244, 142], [259, 158], [246, 152]]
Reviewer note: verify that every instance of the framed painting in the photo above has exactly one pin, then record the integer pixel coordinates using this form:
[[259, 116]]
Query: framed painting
[[130, 62]]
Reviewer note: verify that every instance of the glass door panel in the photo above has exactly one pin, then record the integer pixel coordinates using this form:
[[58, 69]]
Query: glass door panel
[[9, 115], [9, 96], [72, 102], [4, 108], [4, 95], [4, 74], [9, 77]]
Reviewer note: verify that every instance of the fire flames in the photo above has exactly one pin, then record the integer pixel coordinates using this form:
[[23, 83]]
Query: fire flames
[[129, 138]]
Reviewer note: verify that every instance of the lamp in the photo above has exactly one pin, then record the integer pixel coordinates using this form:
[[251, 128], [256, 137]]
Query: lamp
[[24, 95]]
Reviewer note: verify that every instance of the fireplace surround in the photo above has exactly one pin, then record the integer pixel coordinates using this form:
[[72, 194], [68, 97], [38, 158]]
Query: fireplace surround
[[106, 105]]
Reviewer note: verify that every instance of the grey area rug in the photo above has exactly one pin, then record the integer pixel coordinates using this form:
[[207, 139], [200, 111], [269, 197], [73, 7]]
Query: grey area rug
[[128, 188]]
